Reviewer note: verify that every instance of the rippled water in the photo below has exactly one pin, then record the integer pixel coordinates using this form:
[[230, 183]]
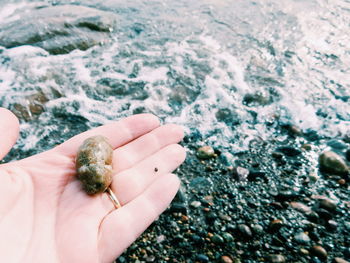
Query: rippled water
[[230, 71]]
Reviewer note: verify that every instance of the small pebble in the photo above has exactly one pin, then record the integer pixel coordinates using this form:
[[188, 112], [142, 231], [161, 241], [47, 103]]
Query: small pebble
[[319, 252], [205, 152], [202, 258], [340, 260], [228, 237], [328, 204], [226, 259], [244, 230], [217, 239], [302, 238], [301, 207], [276, 258], [196, 204], [240, 173], [276, 224], [347, 155], [304, 251], [333, 163]]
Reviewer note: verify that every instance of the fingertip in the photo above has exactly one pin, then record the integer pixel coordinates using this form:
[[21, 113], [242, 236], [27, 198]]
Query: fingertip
[[9, 131]]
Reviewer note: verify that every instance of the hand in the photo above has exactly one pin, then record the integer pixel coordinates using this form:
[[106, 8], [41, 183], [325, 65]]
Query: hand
[[46, 217]]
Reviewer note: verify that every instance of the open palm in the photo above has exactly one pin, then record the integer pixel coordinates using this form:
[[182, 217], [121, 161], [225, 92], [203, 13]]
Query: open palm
[[46, 217]]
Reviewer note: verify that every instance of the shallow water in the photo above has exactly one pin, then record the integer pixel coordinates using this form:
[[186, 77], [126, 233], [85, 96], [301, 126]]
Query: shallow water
[[229, 71]]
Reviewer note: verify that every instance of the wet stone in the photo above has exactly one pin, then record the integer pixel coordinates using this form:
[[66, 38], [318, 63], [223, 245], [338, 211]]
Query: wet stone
[[244, 230], [202, 258], [319, 252], [289, 151], [217, 239], [58, 29], [328, 204], [205, 152], [340, 260], [196, 204], [302, 238], [347, 155], [227, 237], [331, 162], [300, 207], [226, 259], [276, 258], [276, 224], [240, 173]]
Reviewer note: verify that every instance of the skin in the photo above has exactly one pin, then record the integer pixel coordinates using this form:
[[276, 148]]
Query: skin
[[45, 216]]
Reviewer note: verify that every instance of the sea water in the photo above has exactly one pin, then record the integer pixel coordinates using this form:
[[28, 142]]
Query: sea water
[[228, 71]]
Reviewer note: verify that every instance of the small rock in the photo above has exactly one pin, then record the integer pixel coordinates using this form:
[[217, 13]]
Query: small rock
[[301, 207], [202, 258], [276, 258], [257, 229], [337, 144], [340, 260], [196, 204], [240, 173], [313, 177], [328, 204], [319, 252], [333, 163], [226, 259], [276, 224], [228, 237], [160, 238], [244, 230], [302, 238], [177, 207], [289, 151], [304, 251], [325, 214], [347, 155], [332, 224], [205, 152], [306, 147], [217, 239]]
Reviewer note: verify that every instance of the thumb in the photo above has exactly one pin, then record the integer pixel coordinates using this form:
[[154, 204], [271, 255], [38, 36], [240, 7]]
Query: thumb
[[9, 129]]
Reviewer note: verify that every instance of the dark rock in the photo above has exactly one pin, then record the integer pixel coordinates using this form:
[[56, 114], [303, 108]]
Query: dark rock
[[58, 29], [331, 224], [325, 214], [178, 207], [217, 239], [333, 163], [347, 154], [244, 230], [319, 252], [256, 99], [205, 152], [202, 258], [240, 173], [257, 229], [276, 224], [328, 204], [276, 258], [227, 237], [254, 175], [289, 151]]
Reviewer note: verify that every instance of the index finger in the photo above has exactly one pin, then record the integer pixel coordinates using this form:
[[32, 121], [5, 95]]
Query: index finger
[[118, 133]]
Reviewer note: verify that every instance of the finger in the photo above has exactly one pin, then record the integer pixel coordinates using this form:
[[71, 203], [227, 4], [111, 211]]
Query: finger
[[119, 229], [137, 150], [132, 182], [117, 133], [9, 130]]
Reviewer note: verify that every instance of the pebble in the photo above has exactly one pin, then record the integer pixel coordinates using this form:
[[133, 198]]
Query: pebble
[[319, 252], [276, 258], [226, 259], [301, 207], [240, 173], [202, 258], [257, 229], [328, 204], [205, 152], [289, 151], [304, 251], [340, 260], [347, 155], [228, 237], [196, 204], [245, 231], [333, 163], [160, 238], [333, 225], [276, 224], [217, 239], [306, 147], [302, 238]]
